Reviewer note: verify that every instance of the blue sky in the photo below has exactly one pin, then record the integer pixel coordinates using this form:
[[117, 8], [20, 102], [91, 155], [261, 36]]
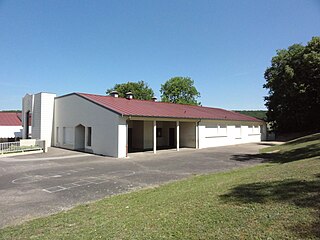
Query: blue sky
[[88, 46]]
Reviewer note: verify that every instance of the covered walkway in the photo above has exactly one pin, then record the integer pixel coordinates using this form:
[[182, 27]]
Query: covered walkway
[[145, 135]]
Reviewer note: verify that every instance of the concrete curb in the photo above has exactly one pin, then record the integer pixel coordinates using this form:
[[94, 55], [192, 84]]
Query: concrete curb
[[20, 153]]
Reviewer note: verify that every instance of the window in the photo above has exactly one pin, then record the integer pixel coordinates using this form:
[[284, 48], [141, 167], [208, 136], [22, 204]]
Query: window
[[238, 132], [89, 136], [159, 132], [216, 131], [67, 135], [211, 130], [253, 130], [257, 129], [222, 130], [250, 130]]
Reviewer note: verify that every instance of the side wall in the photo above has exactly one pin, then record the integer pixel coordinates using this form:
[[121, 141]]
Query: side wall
[[36, 117], [10, 132], [42, 117], [41, 107], [215, 133], [47, 107], [106, 126], [137, 134], [148, 134], [188, 134], [163, 141]]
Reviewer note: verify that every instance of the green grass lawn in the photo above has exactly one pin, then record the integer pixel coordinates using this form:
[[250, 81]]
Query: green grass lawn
[[298, 149], [19, 149], [277, 200]]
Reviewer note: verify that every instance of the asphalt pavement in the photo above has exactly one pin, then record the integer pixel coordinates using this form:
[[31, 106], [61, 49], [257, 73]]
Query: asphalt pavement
[[42, 184]]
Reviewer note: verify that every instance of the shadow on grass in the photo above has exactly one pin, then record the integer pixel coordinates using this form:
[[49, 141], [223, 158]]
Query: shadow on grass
[[309, 138], [266, 144], [305, 194], [309, 151]]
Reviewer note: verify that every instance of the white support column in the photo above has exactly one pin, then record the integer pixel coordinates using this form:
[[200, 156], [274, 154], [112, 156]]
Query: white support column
[[154, 137], [178, 135], [122, 138], [127, 138], [197, 135]]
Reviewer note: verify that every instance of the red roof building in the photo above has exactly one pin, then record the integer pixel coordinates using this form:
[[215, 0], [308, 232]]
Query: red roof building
[[10, 126], [114, 126], [142, 108], [10, 119]]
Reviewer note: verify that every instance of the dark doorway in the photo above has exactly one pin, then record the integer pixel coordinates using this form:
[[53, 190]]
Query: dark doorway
[[129, 139], [171, 137], [27, 125]]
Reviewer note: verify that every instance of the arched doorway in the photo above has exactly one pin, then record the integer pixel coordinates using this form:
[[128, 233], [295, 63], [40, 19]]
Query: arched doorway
[[79, 138]]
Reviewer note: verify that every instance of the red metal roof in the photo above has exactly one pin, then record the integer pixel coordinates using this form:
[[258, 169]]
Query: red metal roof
[[10, 119], [142, 108]]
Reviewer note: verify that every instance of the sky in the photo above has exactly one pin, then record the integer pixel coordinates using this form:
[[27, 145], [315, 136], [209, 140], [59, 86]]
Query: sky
[[225, 46]]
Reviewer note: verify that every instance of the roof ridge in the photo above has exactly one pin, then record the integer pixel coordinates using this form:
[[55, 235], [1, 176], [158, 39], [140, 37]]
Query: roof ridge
[[142, 100], [146, 108]]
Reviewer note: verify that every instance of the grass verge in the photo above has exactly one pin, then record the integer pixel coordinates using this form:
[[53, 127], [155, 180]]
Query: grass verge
[[300, 148], [269, 201]]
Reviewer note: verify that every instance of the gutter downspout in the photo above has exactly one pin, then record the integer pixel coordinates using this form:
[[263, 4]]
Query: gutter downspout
[[127, 134], [197, 136]]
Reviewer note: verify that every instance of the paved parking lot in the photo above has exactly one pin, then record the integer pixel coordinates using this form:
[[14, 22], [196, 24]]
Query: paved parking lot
[[42, 184]]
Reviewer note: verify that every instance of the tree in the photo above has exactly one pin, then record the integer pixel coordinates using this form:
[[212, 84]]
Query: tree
[[260, 114], [293, 81], [140, 90], [180, 90]]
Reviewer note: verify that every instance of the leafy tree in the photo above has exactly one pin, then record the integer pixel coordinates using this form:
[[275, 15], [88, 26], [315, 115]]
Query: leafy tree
[[293, 81], [140, 90], [180, 90], [260, 114]]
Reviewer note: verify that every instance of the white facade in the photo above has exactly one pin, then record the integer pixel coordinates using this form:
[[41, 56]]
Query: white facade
[[73, 116], [194, 133], [10, 131], [221, 133], [40, 107], [76, 123]]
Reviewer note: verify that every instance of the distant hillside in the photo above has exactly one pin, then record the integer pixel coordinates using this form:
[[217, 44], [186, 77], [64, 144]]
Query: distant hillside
[[260, 114], [10, 111]]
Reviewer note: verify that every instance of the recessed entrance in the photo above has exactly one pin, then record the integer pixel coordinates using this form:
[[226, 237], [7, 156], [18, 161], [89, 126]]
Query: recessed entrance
[[172, 138], [141, 135], [80, 138]]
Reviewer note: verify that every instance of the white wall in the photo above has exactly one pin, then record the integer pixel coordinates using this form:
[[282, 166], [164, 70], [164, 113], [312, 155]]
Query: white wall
[[47, 107], [108, 128], [122, 137], [36, 117], [188, 134], [10, 131], [215, 133], [40, 106]]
